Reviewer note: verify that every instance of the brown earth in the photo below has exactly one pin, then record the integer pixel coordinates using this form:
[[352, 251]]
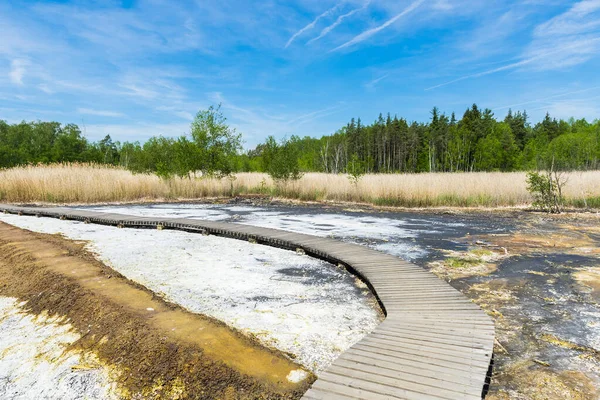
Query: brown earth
[[530, 381], [521, 371], [155, 349], [590, 278]]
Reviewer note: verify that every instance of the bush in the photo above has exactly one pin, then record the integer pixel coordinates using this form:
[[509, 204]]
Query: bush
[[546, 189], [355, 170], [281, 160]]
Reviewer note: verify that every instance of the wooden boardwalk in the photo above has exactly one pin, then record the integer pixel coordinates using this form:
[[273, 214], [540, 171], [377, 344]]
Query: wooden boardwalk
[[433, 344]]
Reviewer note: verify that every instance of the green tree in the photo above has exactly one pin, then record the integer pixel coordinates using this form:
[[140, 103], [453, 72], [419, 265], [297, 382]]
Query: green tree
[[546, 189], [281, 159], [217, 143]]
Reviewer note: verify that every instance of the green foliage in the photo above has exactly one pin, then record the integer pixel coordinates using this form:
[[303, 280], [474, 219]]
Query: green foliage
[[497, 151], [355, 170], [216, 144], [281, 159], [546, 189], [474, 142]]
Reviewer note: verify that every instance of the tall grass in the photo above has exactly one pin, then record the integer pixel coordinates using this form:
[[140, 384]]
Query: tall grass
[[88, 183]]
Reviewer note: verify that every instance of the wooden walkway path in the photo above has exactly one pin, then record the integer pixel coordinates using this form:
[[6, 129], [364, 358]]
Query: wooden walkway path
[[433, 344]]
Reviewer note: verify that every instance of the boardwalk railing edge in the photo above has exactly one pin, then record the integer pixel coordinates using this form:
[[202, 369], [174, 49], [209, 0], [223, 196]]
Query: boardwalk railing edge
[[433, 344]]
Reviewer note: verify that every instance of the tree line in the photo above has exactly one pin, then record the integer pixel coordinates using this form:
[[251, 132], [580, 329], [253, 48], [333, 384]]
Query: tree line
[[478, 141]]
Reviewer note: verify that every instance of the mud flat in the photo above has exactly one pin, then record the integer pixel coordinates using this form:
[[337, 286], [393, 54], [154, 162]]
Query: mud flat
[[536, 275], [148, 347], [303, 307]]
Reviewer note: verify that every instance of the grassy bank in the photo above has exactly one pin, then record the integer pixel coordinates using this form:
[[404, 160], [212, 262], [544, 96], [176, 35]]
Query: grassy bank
[[84, 183]]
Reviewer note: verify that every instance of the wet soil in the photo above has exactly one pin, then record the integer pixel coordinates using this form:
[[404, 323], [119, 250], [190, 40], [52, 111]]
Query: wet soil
[[544, 299], [536, 275], [154, 349]]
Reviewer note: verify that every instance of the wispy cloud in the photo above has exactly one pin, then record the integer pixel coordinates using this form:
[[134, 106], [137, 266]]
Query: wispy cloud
[[139, 131], [133, 90], [99, 113], [177, 111], [256, 124], [338, 21], [544, 99], [567, 108], [313, 23], [580, 18], [368, 33], [576, 32], [45, 88], [17, 71], [566, 40], [308, 117], [371, 84], [488, 72]]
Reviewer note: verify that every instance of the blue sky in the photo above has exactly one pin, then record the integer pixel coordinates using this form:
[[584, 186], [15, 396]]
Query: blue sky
[[138, 68]]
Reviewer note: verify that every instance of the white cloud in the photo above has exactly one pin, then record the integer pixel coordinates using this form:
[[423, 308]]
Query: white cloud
[[44, 88], [136, 91], [488, 72], [368, 33], [178, 111], [124, 132], [338, 21], [566, 40], [371, 84], [576, 32], [578, 19], [256, 124], [311, 116], [576, 108], [545, 99], [313, 23], [100, 113], [17, 71]]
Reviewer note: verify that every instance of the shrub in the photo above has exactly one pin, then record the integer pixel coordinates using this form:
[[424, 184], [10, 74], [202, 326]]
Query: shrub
[[546, 189], [355, 170], [282, 160]]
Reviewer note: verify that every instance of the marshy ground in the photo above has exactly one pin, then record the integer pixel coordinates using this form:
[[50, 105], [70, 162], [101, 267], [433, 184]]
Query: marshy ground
[[148, 347], [536, 275]]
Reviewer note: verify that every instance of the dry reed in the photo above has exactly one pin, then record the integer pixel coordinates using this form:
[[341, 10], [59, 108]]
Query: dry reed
[[85, 183]]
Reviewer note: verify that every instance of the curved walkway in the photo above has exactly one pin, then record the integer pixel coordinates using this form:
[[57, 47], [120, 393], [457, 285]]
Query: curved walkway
[[433, 344]]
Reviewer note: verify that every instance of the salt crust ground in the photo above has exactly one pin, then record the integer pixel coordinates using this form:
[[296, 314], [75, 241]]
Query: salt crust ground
[[35, 365], [392, 236], [291, 302]]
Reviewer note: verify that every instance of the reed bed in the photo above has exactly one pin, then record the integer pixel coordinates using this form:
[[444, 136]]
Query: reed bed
[[89, 183]]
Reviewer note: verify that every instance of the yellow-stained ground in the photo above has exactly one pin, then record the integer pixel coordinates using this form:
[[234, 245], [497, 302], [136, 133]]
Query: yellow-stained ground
[[154, 348]]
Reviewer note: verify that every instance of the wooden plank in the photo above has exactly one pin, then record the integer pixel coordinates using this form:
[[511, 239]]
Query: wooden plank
[[426, 363], [402, 365], [384, 386], [407, 380], [422, 354]]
